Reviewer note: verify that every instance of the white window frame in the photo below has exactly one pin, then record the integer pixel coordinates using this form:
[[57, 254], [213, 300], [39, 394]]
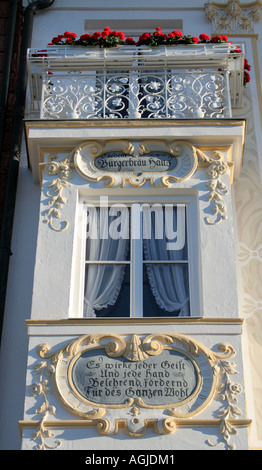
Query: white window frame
[[136, 269]]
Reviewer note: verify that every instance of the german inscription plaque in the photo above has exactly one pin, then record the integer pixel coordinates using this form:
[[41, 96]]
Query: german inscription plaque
[[168, 378], [118, 161]]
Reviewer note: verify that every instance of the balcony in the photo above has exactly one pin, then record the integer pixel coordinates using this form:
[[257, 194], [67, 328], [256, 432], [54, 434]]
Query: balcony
[[180, 82]]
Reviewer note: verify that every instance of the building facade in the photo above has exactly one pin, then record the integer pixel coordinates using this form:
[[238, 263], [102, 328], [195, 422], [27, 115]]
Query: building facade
[[132, 309]]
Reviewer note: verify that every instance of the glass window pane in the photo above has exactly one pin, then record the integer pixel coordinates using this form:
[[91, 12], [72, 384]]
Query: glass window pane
[[165, 232], [165, 290], [107, 234], [107, 290]]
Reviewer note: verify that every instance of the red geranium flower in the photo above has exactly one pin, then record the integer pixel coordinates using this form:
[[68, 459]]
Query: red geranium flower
[[246, 65], [159, 34], [195, 39], [204, 37], [96, 35], [143, 38], [121, 36], [177, 33], [56, 40], [104, 34], [216, 39], [67, 34], [219, 38], [246, 77], [85, 37], [130, 41]]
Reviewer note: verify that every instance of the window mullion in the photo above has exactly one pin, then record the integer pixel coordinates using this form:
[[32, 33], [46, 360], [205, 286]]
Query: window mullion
[[82, 263], [136, 274]]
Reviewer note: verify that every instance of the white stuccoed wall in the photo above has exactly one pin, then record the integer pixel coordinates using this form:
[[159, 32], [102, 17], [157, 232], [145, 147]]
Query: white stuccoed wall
[[26, 297]]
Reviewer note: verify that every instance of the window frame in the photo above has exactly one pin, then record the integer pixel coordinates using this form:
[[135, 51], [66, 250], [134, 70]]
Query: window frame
[[136, 268]]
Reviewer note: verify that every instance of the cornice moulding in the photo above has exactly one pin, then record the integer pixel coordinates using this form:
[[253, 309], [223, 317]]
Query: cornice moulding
[[136, 321], [190, 325]]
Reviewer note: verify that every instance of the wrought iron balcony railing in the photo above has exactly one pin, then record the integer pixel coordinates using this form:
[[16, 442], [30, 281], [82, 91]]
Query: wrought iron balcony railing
[[200, 81]]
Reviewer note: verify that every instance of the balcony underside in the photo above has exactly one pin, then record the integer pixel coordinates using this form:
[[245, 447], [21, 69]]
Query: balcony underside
[[70, 134]]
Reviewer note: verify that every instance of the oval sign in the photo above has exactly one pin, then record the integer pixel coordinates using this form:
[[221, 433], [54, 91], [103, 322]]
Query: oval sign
[[168, 378], [118, 161]]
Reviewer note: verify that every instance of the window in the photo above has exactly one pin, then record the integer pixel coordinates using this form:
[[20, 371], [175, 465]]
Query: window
[[137, 260]]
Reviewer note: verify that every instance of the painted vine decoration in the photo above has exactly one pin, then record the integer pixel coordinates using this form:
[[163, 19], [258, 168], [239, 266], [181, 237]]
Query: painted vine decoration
[[62, 171], [228, 392], [108, 38], [45, 370], [217, 189]]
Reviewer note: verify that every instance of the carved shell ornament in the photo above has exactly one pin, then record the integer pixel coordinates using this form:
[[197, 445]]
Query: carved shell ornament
[[134, 361]]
